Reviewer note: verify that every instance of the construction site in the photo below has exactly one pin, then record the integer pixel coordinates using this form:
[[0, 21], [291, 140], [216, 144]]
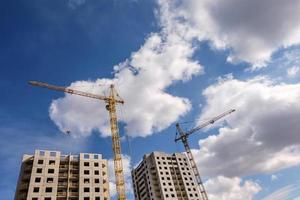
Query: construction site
[[149, 100], [159, 176]]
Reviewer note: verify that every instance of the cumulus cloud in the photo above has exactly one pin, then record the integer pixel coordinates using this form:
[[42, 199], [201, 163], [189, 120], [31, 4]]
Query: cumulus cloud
[[166, 57], [222, 188], [262, 136], [142, 80], [293, 71], [251, 30], [127, 175]]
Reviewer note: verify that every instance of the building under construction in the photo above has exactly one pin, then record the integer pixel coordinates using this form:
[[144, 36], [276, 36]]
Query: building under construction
[[162, 176], [172, 177], [48, 175]]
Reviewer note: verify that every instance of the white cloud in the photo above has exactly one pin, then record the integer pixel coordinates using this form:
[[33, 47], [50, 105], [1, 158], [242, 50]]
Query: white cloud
[[142, 80], [223, 188], [75, 3], [285, 64], [283, 193], [293, 71], [274, 177], [252, 30], [127, 175], [288, 58], [262, 136], [166, 57]]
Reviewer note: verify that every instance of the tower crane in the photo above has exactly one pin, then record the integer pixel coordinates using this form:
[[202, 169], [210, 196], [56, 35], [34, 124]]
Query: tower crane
[[111, 101], [183, 136]]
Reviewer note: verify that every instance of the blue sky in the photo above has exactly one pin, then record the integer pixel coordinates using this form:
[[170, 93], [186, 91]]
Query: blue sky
[[171, 61]]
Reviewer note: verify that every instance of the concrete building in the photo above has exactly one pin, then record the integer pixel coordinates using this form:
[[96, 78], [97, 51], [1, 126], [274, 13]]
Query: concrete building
[[48, 175], [162, 176]]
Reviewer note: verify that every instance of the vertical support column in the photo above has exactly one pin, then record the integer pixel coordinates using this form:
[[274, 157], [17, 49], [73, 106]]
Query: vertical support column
[[118, 166], [176, 177], [194, 168], [68, 177], [184, 140]]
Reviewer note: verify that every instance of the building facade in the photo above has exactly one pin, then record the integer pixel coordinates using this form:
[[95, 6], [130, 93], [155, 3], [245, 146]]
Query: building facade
[[162, 176], [48, 175]]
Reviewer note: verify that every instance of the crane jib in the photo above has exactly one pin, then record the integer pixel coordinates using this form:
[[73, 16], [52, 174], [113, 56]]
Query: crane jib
[[111, 100], [183, 137]]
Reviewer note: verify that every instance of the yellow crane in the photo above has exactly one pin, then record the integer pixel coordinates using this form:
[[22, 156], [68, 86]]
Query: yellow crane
[[183, 136], [111, 102]]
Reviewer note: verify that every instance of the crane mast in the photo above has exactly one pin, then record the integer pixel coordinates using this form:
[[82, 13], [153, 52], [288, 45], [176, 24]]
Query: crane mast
[[118, 166], [183, 136], [111, 102], [192, 162]]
